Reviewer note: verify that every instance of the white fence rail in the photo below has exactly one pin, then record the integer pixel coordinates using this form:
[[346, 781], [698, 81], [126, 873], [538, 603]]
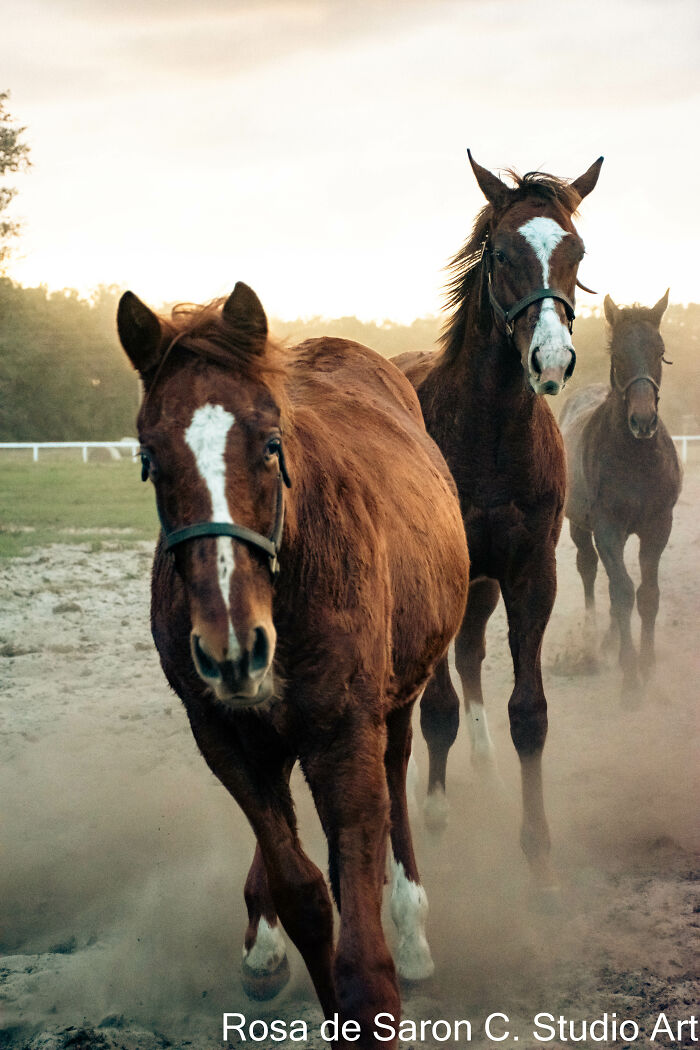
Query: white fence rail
[[115, 446], [132, 446]]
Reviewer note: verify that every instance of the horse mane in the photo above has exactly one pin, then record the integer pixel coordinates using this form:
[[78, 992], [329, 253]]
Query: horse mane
[[466, 289]]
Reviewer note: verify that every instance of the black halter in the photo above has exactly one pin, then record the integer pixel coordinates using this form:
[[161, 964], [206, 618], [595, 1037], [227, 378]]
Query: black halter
[[269, 545], [622, 389], [508, 317]]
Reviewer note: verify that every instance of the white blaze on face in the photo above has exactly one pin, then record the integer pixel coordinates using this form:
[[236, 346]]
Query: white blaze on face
[[206, 436], [551, 338]]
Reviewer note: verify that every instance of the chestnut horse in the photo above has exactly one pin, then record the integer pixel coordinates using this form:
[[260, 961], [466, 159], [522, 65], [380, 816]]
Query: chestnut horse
[[311, 570], [507, 342], [624, 478]]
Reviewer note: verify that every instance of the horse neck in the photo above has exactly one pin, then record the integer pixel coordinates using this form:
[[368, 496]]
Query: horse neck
[[492, 386]]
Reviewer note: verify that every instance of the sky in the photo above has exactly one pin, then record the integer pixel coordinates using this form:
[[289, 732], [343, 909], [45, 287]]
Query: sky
[[316, 149]]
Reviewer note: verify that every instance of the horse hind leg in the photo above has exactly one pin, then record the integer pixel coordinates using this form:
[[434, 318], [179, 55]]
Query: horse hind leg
[[264, 966], [409, 902], [439, 720]]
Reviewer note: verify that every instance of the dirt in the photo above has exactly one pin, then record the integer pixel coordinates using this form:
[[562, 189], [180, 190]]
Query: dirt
[[124, 860]]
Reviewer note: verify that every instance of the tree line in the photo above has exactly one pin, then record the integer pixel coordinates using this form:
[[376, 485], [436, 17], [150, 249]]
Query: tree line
[[64, 376]]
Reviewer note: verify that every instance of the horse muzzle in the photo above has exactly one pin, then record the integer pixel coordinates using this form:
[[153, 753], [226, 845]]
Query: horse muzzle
[[239, 677], [643, 428], [550, 367]]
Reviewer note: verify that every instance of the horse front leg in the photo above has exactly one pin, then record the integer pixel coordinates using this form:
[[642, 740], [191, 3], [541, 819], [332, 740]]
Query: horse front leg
[[297, 890], [469, 653], [587, 565], [409, 903], [439, 722], [610, 541], [651, 546], [348, 782], [264, 966], [529, 597]]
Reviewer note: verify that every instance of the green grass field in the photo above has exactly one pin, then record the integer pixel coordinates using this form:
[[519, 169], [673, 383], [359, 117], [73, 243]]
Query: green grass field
[[61, 500]]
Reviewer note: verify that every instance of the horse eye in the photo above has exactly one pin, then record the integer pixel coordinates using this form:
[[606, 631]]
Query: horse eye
[[273, 448], [501, 257], [145, 467]]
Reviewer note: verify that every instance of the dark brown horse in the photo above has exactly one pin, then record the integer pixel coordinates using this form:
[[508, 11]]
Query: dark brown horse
[[624, 478], [507, 342], [311, 571]]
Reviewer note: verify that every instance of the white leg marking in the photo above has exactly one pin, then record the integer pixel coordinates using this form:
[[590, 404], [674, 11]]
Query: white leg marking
[[551, 337], [483, 750], [409, 910], [206, 436], [268, 951], [482, 744]]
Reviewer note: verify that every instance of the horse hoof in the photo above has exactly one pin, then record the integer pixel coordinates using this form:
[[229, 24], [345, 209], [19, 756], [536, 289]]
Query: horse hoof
[[414, 963], [435, 812], [261, 986]]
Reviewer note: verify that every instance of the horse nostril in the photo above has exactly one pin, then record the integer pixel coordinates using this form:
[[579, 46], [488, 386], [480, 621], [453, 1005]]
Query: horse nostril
[[260, 653], [207, 667], [536, 362], [634, 424]]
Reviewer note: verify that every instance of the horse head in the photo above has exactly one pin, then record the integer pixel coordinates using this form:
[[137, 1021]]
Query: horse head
[[636, 353], [210, 428], [531, 253]]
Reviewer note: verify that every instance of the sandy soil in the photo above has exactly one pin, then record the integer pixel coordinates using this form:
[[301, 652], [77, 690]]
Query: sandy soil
[[124, 859]]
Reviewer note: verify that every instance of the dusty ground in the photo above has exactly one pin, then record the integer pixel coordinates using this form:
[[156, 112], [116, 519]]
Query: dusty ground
[[124, 860]]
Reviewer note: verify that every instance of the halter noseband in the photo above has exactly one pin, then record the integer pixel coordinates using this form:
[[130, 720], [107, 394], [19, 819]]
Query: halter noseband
[[509, 317], [635, 379], [269, 545]]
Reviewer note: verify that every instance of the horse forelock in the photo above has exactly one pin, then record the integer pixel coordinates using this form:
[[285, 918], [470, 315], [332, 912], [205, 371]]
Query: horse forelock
[[202, 334], [630, 316], [466, 287]]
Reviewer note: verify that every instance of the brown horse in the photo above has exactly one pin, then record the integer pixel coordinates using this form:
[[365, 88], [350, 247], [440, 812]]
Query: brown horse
[[624, 478], [311, 571], [507, 342]]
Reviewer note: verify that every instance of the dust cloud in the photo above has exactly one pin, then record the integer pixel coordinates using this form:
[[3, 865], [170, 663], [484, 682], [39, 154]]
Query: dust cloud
[[124, 860]]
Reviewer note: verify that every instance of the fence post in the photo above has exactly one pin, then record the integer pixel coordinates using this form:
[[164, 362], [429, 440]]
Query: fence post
[[35, 453]]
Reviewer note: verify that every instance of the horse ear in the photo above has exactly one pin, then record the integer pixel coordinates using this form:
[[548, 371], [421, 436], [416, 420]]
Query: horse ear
[[495, 191], [586, 182], [659, 310], [140, 332], [612, 312], [244, 310]]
